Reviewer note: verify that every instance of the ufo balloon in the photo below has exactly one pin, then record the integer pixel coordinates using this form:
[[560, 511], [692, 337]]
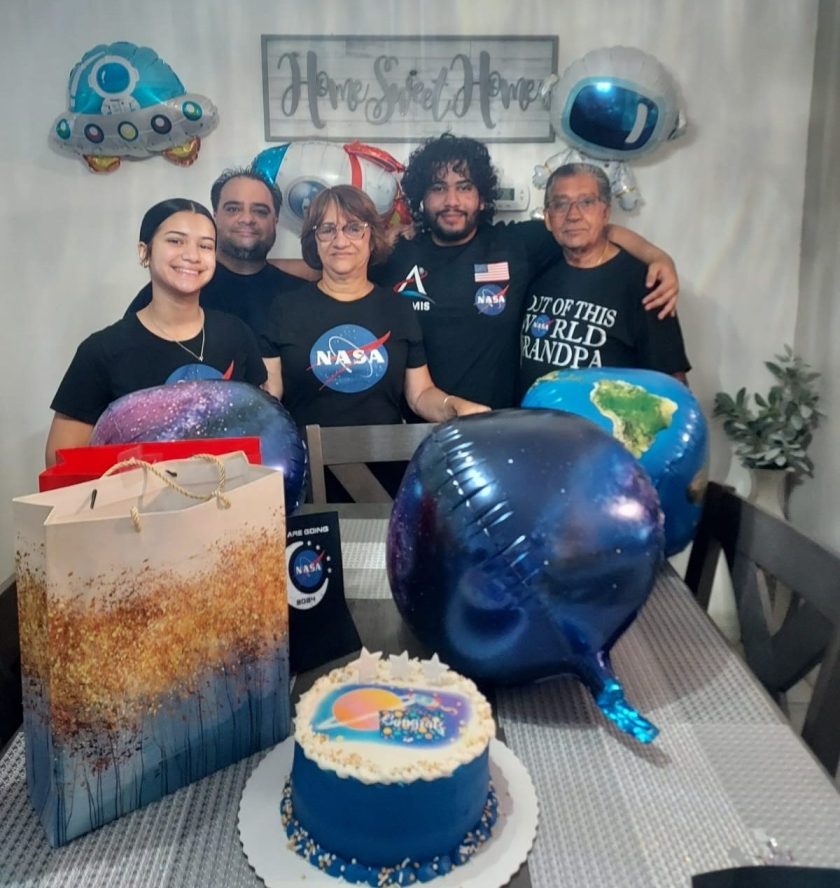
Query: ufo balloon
[[125, 101]]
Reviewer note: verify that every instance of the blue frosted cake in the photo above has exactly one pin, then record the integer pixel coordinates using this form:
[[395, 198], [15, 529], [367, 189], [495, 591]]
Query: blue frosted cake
[[390, 782]]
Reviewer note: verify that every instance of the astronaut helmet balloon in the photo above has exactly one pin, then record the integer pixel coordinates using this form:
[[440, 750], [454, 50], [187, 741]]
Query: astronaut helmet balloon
[[616, 103], [210, 408], [613, 105], [302, 169], [656, 418], [125, 101], [521, 544]]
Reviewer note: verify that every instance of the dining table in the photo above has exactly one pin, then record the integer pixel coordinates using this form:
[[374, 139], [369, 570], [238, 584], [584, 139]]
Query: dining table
[[726, 783]]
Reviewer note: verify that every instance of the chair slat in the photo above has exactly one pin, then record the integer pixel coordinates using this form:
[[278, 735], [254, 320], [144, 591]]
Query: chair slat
[[347, 450], [761, 549]]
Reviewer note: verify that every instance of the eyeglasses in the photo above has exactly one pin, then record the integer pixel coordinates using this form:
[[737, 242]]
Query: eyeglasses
[[562, 205], [326, 231]]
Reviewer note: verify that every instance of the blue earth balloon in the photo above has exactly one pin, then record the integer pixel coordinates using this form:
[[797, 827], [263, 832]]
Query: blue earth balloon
[[657, 419], [522, 543], [210, 409]]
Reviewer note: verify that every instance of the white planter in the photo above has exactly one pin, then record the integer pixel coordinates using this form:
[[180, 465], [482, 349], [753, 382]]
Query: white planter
[[769, 490]]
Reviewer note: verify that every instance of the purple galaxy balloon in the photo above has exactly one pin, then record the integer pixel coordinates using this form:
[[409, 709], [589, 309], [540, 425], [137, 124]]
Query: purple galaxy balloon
[[212, 408], [522, 543]]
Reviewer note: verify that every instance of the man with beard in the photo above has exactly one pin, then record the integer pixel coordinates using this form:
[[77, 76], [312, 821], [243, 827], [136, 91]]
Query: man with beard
[[245, 207], [467, 277]]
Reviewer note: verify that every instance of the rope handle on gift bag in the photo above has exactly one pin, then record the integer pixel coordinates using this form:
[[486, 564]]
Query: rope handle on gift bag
[[216, 494]]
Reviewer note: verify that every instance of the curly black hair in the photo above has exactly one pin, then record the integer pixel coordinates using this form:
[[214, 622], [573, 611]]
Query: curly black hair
[[460, 153]]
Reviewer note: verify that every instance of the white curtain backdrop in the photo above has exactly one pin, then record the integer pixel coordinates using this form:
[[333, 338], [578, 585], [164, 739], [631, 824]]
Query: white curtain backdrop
[[726, 201]]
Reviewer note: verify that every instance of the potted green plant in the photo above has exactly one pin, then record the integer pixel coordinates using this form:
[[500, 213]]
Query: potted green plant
[[775, 434]]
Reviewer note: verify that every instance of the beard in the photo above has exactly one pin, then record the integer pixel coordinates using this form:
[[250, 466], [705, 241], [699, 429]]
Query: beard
[[255, 252], [448, 235]]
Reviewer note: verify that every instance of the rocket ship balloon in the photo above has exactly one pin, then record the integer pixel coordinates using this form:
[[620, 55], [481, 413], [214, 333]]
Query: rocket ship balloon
[[302, 169], [125, 101], [522, 543]]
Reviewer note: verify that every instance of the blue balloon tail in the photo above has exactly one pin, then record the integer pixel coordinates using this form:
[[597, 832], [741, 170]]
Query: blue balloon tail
[[612, 702]]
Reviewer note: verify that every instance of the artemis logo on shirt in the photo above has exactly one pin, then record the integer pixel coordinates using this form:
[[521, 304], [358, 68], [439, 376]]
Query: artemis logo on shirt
[[412, 286], [349, 358]]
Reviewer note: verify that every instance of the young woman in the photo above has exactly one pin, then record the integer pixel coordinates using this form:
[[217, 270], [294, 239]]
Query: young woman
[[349, 351], [172, 338]]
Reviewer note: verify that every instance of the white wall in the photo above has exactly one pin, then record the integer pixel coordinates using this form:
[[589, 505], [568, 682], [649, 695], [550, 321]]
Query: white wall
[[814, 506], [726, 201]]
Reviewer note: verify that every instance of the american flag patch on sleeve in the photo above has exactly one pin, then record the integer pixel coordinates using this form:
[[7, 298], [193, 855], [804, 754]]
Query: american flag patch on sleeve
[[495, 271]]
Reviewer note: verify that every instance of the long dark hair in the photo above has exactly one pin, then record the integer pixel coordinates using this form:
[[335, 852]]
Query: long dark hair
[[160, 212]]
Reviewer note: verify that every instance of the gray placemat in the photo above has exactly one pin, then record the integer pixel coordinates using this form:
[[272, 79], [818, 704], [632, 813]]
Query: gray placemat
[[363, 558], [186, 839]]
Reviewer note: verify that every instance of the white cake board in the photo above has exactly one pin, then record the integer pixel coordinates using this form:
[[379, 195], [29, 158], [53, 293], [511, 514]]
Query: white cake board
[[265, 844]]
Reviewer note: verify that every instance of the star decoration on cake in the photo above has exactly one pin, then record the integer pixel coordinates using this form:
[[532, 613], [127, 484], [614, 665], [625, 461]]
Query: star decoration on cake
[[433, 669], [368, 664], [400, 666]]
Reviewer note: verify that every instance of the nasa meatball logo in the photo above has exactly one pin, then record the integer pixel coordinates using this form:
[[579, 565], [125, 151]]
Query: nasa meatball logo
[[540, 326], [309, 570], [490, 299], [349, 358]]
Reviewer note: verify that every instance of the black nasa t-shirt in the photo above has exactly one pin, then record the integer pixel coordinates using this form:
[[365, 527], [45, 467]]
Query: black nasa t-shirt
[[343, 363], [126, 357], [469, 300], [247, 296], [594, 317]]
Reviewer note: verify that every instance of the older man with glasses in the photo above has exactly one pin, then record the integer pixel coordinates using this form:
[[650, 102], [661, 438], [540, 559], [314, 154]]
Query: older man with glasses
[[586, 309]]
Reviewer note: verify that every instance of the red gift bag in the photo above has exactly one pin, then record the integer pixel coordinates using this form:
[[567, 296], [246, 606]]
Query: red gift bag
[[78, 464]]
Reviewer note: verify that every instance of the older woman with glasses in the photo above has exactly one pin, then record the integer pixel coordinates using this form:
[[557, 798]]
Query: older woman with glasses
[[349, 351]]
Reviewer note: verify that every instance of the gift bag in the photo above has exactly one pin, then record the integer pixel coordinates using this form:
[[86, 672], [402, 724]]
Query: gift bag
[[154, 633], [76, 464]]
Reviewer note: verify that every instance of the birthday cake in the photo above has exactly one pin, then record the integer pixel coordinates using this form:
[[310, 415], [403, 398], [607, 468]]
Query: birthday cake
[[390, 781]]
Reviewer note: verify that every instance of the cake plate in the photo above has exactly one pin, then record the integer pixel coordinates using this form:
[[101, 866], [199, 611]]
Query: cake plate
[[265, 844]]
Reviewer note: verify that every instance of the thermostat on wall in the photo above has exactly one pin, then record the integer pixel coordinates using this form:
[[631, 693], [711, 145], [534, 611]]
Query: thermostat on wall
[[511, 197]]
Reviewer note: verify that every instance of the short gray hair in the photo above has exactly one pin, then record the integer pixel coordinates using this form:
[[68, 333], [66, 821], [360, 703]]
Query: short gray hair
[[567, 170]]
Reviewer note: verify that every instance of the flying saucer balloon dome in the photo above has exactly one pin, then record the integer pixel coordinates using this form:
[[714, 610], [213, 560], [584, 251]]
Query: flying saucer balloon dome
[[125, 101]]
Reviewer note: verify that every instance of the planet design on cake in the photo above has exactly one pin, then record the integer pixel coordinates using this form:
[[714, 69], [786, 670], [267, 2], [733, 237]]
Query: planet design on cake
[[210, 408]]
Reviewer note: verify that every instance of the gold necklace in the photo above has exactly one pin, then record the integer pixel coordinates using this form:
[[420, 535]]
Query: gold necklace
[[169, 338], [603, 253]]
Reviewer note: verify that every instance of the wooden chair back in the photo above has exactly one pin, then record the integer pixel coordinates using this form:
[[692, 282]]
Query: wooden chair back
[[767, 557], [348, 449]]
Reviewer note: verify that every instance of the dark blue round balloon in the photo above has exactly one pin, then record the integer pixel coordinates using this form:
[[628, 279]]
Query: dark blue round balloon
[[210, 408], [657, 418], [521, 545]]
